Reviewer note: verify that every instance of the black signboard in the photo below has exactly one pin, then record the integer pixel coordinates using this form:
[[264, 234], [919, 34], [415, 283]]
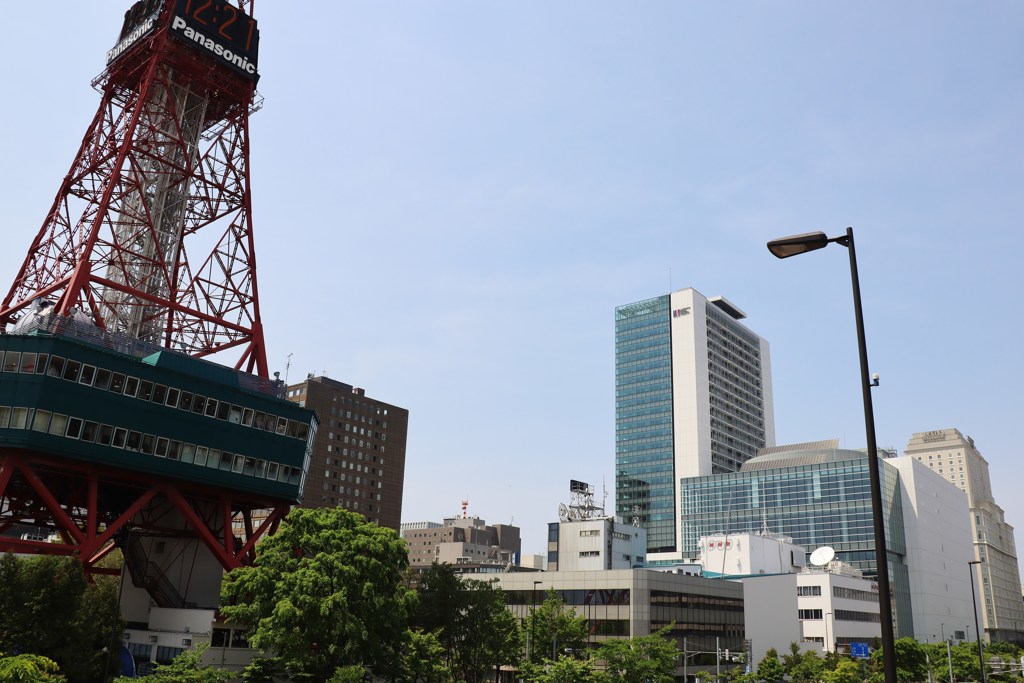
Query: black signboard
[[221, 30]]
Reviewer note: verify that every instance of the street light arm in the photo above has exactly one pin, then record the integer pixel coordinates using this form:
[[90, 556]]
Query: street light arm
[[799, 244]]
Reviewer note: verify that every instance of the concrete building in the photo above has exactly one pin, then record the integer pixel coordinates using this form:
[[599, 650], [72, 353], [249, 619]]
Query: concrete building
[[358, 460], [954, 456], [623, 603], [693, 398], [820, 608], [462, 541], [937, 532], [594, 544], [820, 495], [748, 554]]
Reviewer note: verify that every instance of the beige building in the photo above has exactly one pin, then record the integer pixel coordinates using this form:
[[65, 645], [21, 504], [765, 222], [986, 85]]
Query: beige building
[[358, 460], [462, 541], [950, 454]]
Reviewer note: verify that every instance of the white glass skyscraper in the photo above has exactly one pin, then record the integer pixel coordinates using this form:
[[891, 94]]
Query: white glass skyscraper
[[692, 398]]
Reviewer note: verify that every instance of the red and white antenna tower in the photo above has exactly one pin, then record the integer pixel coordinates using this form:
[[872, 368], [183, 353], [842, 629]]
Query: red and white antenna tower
[[150, 233]]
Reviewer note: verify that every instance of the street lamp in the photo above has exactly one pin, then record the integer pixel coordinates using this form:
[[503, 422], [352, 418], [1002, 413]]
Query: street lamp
[[533, 619], [799, 244], [974, 603]]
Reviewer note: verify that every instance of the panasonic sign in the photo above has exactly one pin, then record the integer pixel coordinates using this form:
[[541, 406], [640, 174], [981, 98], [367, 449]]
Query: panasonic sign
[[136, 34], [238, 62]]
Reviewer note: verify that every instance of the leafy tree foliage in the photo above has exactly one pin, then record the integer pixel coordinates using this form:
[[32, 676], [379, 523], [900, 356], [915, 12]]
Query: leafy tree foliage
[[802, 667], [325, 592], [40, 592], [845, 671], [474, 627], [770, 669], [489, 633], [554, 628], [29, 669], [424, 660], [643, 659], [185, 668], [565, 670], [911, 663]]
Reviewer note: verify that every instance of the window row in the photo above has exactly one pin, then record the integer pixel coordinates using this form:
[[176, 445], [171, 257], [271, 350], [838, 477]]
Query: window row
[[133, 387], [45, 422], [854, 594]]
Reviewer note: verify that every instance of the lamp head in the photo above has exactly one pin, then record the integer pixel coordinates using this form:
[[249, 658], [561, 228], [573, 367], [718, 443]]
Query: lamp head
[[784, 247]]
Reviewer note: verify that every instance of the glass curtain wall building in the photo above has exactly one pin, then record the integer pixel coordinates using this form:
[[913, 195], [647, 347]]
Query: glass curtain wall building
[[817, 494], [692, 398]]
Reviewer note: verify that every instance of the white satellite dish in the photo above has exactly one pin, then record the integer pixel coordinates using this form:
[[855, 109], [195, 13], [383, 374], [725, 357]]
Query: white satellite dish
[[822, 556], [563, 512]]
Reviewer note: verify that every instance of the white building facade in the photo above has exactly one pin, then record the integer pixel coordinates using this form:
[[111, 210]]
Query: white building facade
[[595, 544], [693, 398], [949, 453], [937, 528]]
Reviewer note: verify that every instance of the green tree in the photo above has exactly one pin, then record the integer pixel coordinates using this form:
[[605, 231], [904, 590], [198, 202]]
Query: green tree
[[911, 663], [802, 667], [325, 592], [474, 627], [770, 669], [643, 659], [348, 674], [554, 628], [442, 598], [38, 592], [424, 659], [565, 670], [185, 668], [489, 635], [29, 669], [845, 671]]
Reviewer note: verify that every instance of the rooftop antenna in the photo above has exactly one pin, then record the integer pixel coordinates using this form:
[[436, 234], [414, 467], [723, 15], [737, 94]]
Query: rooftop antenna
[[287, 366], [465, 507]]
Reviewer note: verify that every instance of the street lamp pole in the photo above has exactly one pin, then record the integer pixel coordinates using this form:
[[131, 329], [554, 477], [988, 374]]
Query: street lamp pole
[[533, 621], [974, 603], [799, 244]]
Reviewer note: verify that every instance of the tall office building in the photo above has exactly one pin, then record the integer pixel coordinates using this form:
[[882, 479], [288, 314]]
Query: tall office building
[[358, 460], [693, 398], [997, 578]]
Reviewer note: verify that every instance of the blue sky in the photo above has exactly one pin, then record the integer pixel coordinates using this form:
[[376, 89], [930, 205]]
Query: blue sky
[[450, 198]]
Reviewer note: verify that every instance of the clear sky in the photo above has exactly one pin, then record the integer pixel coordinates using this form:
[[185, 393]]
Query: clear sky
[[451, 197]]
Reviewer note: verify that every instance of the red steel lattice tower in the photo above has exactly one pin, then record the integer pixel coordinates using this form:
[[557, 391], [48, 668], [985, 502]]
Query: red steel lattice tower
[[150, 234], [150, 240]]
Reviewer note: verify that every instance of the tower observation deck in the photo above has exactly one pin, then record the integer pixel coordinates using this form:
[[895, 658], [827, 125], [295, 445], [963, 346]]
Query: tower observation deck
[[135, 401]]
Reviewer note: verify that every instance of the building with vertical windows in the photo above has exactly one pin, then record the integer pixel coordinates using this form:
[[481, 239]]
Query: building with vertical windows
[[700, 614], [358, 460], [463, 542], [954, 456], [820, 495], [692, 398], [594, 544]]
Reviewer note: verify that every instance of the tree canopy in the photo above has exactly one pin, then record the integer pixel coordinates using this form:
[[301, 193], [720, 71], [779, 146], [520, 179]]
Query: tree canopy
[[325, 592], [474, 627], [185, 668], [38, 592], [641, 659], [552, 628]]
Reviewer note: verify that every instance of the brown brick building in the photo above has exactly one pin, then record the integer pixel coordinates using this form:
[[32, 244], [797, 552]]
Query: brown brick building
[[358, 458]]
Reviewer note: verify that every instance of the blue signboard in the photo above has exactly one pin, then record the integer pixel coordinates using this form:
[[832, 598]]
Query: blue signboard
[[859, 650]]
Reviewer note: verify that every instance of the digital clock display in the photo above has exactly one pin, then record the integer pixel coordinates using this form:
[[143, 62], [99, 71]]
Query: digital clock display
[[222, 30]]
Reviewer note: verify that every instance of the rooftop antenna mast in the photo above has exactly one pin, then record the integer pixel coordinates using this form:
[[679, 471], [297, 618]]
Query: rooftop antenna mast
[[287, 367]]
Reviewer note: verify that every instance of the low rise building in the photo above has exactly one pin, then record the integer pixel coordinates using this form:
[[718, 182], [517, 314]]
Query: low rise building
[[462, 541]]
